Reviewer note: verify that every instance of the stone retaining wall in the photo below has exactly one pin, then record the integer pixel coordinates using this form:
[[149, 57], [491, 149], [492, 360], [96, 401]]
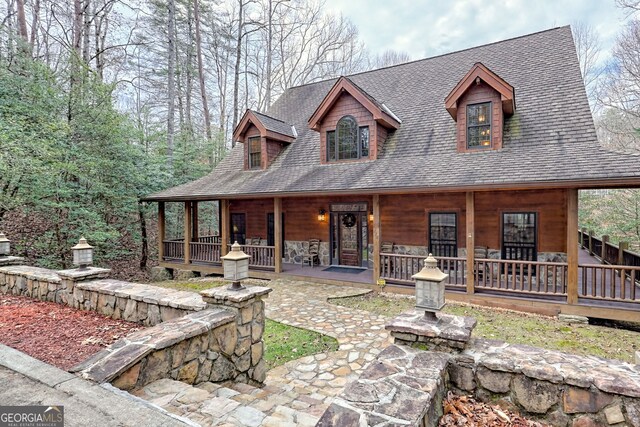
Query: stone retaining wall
[[195, 348], [144, 304], [561, 388]]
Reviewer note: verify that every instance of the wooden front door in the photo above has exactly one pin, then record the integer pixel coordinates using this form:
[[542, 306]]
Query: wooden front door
[[350, 250]]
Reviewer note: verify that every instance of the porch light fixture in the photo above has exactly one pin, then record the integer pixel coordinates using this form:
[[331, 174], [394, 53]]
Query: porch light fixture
[[371, 216], [430, 288], [321, 215], [236, 267], [82, 254], [5, 246]]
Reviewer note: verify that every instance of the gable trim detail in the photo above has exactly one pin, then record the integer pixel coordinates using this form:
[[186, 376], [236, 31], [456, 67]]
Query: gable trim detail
[[479, 71]]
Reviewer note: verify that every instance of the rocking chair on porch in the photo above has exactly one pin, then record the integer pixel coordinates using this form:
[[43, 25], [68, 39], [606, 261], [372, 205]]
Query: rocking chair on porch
[[312, 253]]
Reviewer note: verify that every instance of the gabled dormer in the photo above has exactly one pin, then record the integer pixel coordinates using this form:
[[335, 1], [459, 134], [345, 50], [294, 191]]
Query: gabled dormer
[[479, 103], [264, 137], [352, 124]]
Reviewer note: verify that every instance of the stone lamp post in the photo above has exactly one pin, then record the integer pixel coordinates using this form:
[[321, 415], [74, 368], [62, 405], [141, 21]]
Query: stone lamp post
[[430, 288], [5, 246], [236, 267], [82, 254]]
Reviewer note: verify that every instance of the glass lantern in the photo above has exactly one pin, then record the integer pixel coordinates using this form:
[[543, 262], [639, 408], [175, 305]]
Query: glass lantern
[[236, 266], [430, 286], [82, 254], [5, 246]]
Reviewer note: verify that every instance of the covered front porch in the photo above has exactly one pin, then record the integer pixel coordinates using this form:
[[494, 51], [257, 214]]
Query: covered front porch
[[391, 242]]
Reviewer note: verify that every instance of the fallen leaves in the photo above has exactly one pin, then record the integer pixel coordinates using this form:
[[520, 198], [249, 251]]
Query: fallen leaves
[[466, 411]]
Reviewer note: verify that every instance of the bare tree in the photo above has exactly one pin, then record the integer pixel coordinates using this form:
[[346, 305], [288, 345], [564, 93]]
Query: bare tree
[[588, 48], [387, 58], [201, 76], [171, 50]]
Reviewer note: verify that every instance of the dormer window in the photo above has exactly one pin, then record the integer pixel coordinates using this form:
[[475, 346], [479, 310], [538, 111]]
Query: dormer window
[[347, 141], [479, 125], [255, 153]]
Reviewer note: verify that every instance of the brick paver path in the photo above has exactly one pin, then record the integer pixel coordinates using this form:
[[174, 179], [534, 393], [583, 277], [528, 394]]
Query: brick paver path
[[297, 393]]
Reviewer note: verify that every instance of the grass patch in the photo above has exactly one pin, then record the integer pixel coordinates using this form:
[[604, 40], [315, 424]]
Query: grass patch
[[284, 343], [518, 328]]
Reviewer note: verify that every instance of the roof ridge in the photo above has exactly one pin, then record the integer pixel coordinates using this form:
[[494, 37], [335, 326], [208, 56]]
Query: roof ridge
[[433, 57]]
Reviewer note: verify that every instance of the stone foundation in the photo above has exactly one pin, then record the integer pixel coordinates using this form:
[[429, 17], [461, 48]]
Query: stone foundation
[[293, 251]]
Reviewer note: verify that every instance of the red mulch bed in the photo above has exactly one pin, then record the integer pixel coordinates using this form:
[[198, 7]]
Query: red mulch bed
[[57, 334]]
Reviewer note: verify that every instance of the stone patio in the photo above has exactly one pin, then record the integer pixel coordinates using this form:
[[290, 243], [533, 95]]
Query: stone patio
[[297, 393]]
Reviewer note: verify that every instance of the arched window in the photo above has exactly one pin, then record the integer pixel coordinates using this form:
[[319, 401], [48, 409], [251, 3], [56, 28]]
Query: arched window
[[348, 141]]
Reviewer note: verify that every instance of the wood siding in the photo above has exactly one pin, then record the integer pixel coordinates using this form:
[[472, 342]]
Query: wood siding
[[347, 105], [405, 220], [477, 94], [272, 149]]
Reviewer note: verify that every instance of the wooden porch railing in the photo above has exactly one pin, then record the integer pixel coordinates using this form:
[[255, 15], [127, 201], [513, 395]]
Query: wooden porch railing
[[609, 282], [205, 252], [173, 249], [398, 268], [528, 277], [263, 257]]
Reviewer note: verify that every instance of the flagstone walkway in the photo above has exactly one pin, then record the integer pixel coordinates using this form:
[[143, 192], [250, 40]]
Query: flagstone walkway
[[297, 393]]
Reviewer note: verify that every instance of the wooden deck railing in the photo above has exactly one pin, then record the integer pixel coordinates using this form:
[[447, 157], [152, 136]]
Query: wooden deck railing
[[173, 249], [528, 277], [263, 257], [205, 252], [398, 268], [609, 282]]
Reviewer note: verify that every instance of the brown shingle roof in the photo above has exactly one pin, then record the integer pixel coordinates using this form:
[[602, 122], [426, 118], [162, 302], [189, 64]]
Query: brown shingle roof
[[550, 139]]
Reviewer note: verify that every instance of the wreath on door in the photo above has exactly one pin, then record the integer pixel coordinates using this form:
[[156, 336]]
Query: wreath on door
[[349, 220]]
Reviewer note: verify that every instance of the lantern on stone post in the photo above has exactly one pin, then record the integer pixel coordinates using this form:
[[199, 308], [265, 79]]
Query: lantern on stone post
[[82, 254], [236, 267], [5, 246], [430, 288]]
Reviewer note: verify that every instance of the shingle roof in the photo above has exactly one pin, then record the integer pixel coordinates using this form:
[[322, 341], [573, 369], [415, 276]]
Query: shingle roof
[[275, 125], [550, 140]]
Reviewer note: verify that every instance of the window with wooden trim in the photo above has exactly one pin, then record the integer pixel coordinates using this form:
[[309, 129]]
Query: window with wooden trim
[[255, 154], [348, 140], [443, 234], [519, 236], [479, 125]]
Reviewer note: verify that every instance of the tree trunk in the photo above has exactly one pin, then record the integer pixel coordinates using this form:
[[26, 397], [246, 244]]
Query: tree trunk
[[144, 251], [86, 31], [267, 95], [171, 92], [203, 89], [236, 72], [22, 21], [34, 23]]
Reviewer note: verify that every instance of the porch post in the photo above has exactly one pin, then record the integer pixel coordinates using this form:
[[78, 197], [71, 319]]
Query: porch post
[[590, 242], [377, 232], [187, 232], [572, 246], [470, 215], [194, 221], [161, 231], [277, 233], [603, 252], [224, 225], [622, 246]]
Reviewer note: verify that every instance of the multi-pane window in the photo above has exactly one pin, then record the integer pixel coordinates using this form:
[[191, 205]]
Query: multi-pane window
[[479, 125], [443, 234], [254, 152], [348, 141], [519, 236]]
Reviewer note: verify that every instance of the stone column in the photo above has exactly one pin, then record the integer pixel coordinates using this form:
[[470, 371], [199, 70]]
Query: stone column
[[248, 306], [68, 278]]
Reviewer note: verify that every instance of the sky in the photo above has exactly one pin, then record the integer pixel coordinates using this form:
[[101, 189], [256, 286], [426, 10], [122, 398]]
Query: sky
[[424, 28]]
